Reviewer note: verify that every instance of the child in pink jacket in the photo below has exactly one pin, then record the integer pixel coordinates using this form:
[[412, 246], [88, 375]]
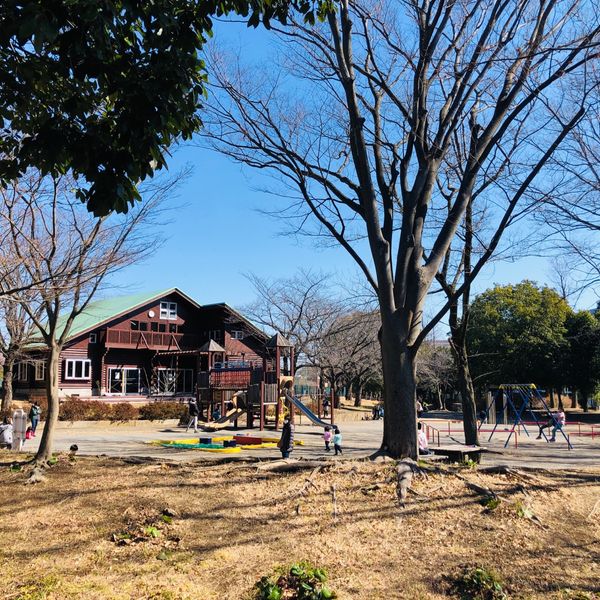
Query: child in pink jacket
[[327, 438]]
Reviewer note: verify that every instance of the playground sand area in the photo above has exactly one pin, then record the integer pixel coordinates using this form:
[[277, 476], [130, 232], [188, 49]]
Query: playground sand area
[[105, 528]]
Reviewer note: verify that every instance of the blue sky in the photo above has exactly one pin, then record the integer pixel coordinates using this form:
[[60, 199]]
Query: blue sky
[[218, 234]]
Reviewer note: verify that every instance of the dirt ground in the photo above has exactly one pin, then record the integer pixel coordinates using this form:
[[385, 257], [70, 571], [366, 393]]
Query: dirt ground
[[103, 528]]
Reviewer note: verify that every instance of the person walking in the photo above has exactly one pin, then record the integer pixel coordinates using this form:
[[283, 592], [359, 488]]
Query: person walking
[[35, 413], [327, 438], [286, 442], [337, 441], [193, 412]]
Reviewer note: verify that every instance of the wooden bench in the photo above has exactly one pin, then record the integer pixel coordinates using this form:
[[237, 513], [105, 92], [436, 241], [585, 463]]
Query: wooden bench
[[458, 453]]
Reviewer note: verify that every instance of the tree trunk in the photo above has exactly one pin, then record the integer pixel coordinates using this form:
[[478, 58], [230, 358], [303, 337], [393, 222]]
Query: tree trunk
[[467, 395], [552, 399], [439, 397], [51, 418], [560, 400], [7, 385], [357, 394], [399, 396], [574, 400]]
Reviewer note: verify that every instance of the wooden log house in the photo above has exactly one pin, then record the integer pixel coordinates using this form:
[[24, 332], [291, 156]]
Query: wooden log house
[[150, 346]]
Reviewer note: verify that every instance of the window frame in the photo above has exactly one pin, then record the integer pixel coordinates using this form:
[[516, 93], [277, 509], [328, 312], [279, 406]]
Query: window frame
[[167, 311], [22, 371], [93, 339], [237, 334], [37, 365], [71, 370]]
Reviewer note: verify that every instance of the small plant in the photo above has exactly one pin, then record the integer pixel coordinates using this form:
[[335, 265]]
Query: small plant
[[523, 511], [490, 503], [478, 583], [470, 464], [300, 582]]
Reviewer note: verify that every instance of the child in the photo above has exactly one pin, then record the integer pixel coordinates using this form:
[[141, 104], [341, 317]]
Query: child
[[6, 433], [422, 439], [337, 441], [327, 438], [559, 422], [29, 433]]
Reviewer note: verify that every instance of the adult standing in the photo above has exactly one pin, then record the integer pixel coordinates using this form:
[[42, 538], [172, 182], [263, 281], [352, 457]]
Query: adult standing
[[193, 412], [286, 442], [35, 413]]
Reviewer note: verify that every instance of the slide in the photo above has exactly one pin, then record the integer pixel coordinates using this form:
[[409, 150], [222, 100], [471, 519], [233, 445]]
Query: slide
[[309, 413], [224, 421]]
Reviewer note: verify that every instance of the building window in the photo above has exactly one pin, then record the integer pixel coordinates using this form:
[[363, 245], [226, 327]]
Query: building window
[[78, 368], [168, 310], [162, 328], [93, 338], [216, 335], [135, 325], [153, 326], [172, 328], [143, 326], [40, 370], [22, 371], [237, 335]]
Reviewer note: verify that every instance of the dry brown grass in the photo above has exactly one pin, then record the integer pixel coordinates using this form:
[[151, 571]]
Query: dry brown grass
[[232, 526]]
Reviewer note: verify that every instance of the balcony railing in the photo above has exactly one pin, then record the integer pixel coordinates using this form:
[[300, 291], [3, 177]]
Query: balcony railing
[[117, 338]]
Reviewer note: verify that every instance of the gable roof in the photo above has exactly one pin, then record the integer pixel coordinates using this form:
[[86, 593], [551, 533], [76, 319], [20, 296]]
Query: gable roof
[[224, 306], [108, 309], [211, 346]]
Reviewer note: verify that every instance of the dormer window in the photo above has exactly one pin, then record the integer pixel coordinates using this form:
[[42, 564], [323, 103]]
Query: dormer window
[[168, 310], [237, 335]]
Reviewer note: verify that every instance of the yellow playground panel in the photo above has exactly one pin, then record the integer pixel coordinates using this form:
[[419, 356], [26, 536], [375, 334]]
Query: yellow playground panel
[[219, 444]]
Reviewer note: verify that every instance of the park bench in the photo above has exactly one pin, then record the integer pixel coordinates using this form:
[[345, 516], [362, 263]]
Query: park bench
[[458, 453]]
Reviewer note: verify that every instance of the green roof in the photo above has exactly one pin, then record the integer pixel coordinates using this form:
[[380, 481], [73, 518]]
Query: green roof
[[101, 311]]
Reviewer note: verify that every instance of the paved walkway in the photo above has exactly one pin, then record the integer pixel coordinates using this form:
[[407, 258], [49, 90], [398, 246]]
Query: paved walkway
[[360, 439]]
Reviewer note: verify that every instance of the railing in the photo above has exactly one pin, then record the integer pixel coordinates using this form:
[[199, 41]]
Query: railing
[[122, 338]]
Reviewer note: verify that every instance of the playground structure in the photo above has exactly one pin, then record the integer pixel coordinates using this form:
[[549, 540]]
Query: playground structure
[[517, 400], [240, 389]]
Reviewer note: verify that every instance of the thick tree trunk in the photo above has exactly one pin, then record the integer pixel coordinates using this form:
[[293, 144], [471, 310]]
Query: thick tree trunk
[[7, 385], [399, 396], [51, 418]]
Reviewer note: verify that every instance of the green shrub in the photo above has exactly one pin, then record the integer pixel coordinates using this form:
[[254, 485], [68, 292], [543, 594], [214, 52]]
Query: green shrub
[[123, 411], [300, 582], [159, 411], [478, 583]]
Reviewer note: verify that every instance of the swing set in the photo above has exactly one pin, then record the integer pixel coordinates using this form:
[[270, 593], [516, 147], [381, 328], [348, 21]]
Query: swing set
[[517, 400]]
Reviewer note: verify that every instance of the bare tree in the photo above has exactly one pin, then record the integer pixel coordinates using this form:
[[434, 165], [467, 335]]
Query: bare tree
[[435, 370], [349, 353], [303, 308], [358, 126], [572, 205], [59, 243], [17, 331]]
